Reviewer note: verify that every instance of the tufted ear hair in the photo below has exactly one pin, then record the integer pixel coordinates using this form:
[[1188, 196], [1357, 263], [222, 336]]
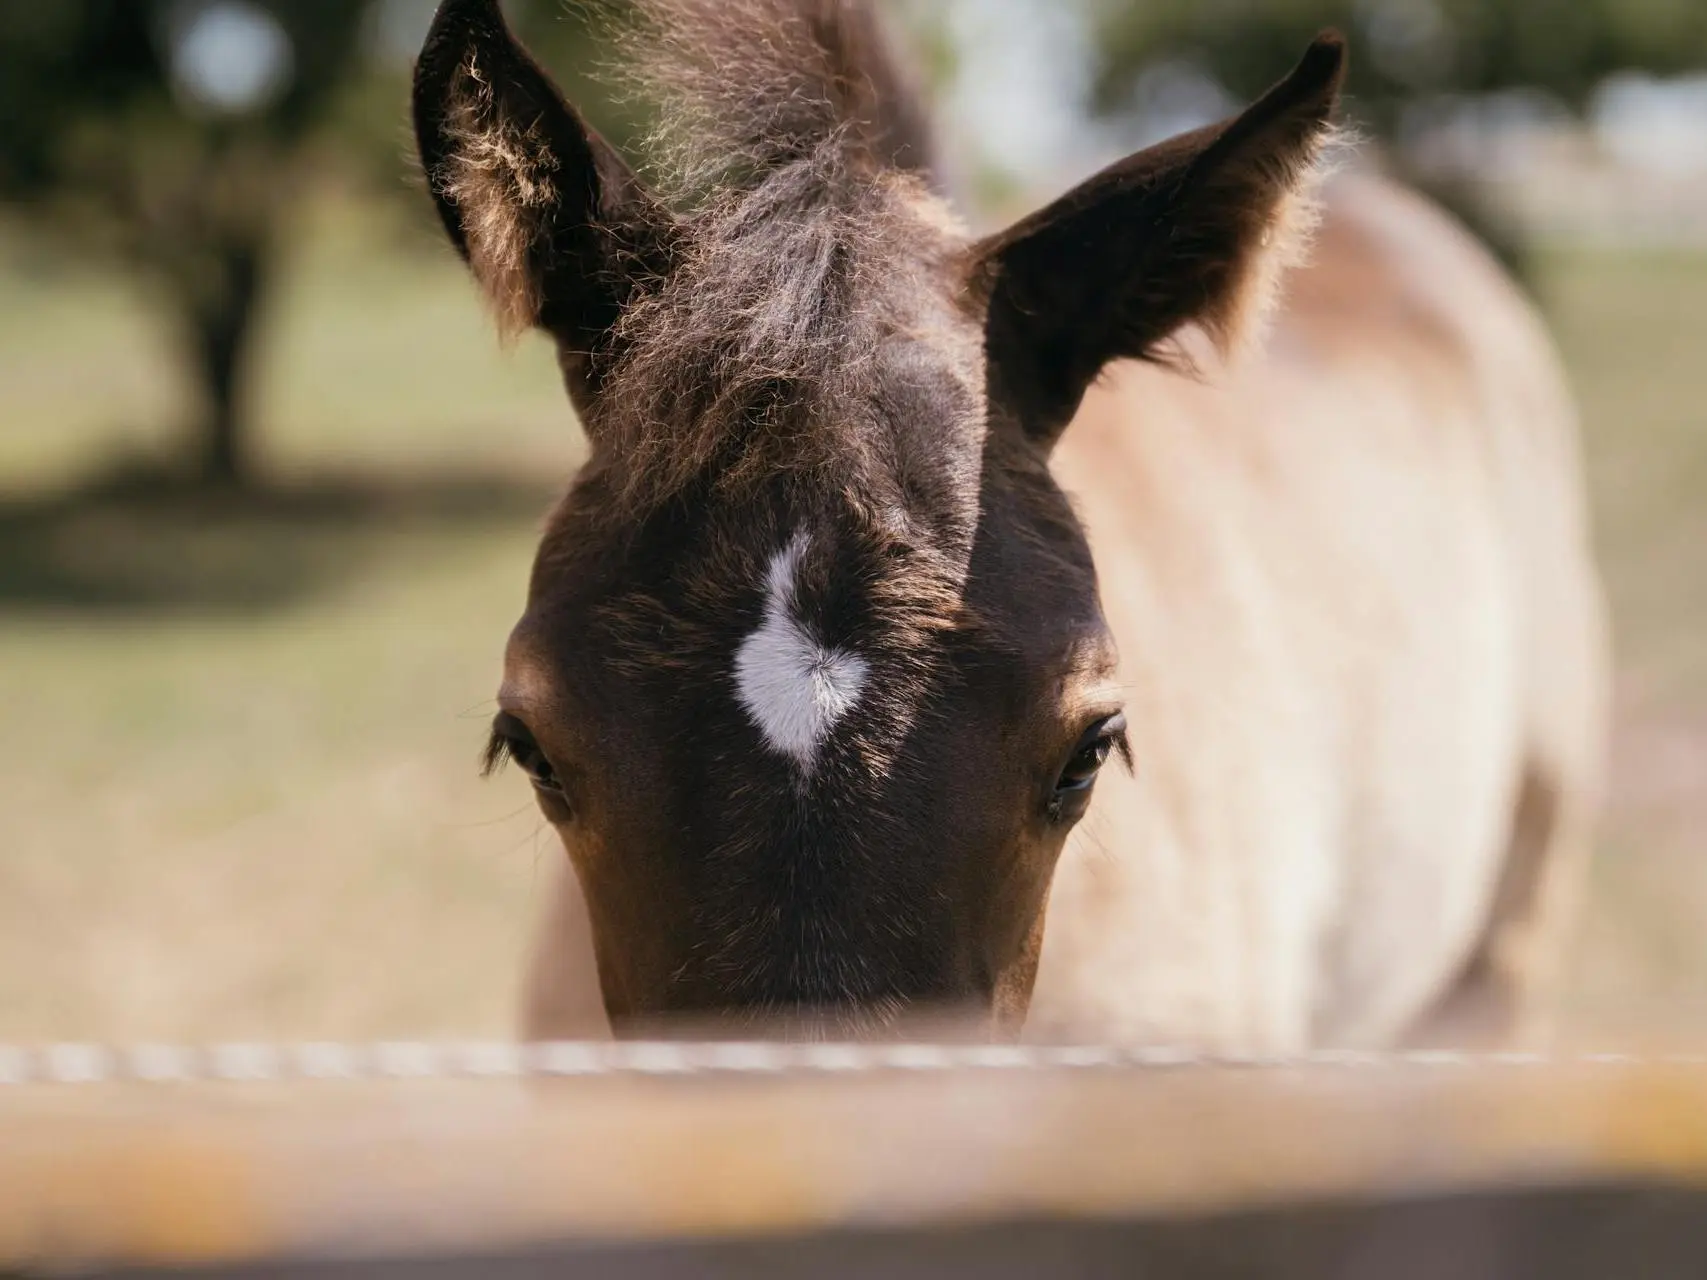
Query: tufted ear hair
[[557, 228], [1195, 229]]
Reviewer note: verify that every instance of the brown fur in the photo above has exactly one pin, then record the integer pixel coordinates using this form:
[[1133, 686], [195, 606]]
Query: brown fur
[[757, 339]]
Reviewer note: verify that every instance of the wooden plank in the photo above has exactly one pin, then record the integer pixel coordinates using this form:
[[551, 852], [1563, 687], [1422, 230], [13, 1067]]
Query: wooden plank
[[233, 1173]]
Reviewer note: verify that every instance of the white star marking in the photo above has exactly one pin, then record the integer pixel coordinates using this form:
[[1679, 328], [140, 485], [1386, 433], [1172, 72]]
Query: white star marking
[[794, 688]]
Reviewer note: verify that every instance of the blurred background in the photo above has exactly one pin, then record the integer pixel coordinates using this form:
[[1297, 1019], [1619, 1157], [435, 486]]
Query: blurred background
[[269, 487]]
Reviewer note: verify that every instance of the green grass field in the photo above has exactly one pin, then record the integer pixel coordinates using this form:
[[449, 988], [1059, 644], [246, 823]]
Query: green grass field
[[239, 766]]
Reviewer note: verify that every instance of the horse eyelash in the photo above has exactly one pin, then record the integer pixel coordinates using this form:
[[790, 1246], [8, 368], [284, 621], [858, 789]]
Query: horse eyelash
[[498, 753], [1123, 746]]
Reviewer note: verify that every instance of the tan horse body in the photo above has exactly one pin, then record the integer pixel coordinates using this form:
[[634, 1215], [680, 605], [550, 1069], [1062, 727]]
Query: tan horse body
[[1363, 663], [1359, 632]]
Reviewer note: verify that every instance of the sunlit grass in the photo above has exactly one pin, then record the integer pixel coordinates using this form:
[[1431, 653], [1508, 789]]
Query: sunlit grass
[[1632, 329], [239, 770]]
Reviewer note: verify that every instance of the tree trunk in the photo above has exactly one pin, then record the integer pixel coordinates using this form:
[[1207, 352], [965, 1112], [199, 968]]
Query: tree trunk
[[223, 322]]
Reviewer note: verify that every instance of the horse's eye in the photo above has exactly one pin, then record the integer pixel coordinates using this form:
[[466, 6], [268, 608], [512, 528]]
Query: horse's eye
[[1088, 757], [538, 769], [1083, 768], [512, 740]]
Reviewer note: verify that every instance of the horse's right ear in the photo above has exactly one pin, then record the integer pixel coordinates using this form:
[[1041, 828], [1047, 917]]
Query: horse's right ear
[[555, 225]]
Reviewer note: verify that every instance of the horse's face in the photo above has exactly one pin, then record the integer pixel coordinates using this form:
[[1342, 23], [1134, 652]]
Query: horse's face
[[812, 680], [813, 744]]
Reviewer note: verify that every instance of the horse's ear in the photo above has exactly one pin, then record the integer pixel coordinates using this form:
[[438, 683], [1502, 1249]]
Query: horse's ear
[[555, 225], [1196, 229]]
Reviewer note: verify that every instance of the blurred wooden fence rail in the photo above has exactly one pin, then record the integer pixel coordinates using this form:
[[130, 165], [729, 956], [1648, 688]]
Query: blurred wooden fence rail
[[683, 1160]]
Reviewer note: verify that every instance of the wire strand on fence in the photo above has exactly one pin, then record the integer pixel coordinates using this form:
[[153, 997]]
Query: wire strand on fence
[[86, 1064]]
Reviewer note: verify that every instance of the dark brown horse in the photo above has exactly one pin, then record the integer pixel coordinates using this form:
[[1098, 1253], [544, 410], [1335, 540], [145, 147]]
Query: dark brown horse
[[817, 674]]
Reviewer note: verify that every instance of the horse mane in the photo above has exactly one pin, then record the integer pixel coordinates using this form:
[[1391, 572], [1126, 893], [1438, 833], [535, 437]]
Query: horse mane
[[744, 88], [799, 150]]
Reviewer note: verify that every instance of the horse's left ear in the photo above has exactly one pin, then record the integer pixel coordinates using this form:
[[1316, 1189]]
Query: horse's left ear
[[1196, 229], [556, 226]]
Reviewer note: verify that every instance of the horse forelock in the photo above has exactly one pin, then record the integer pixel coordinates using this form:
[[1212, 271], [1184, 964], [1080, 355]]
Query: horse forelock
[[809, 237], [762, 351], [743, 88]]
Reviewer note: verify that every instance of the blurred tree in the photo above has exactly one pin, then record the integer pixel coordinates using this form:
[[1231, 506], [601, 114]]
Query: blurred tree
[[1403, 51], [1405, 47], [166, 133], [175, 138]]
